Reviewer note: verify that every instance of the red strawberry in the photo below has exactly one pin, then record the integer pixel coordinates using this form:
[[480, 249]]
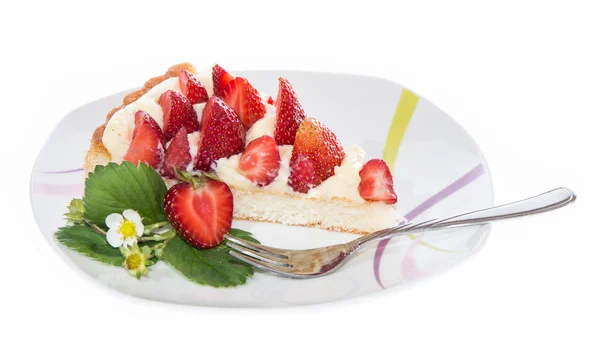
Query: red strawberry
[[177, 154], [200, 210], [303, 174], [221, 79], [376, 182], [245, 100], [192, 88], [147, 143], [177, 112], [289, 113], [269, 100], [316, 153], [223, 134], [260, 161]]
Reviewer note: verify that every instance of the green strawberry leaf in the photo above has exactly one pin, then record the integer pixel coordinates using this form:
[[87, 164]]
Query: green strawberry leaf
[[87, 241], [76, 211], [214, 267], [116, 187]]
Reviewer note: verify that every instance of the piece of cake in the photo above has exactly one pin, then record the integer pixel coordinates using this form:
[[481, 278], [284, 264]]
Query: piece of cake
[[282, 166]]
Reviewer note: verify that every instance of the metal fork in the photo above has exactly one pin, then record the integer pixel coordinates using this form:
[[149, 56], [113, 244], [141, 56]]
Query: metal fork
[[311, 263]]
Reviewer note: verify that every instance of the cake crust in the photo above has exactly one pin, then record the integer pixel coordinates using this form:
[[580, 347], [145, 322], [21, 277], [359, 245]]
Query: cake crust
[[97, 153]]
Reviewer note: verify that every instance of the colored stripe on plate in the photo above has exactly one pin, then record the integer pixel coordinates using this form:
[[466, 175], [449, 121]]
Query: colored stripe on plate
[[461, 182], [404, 112]]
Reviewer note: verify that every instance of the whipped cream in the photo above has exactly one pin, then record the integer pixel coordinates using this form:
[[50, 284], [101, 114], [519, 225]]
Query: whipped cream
[[343, 184], [263, 126], [193, 140]]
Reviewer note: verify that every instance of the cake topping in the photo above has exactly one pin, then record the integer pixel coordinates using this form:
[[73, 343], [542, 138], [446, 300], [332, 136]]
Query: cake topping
[[192, 88], [260, 161], [177, 154], [200, 209], [147, 144], [221, 79], [316, 153], [223, 134], [177, 112], [289, 113], [245, 100], [376, 182]]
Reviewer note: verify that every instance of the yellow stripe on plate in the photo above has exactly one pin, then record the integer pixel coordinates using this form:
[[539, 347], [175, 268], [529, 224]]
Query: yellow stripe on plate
[[404, 111]]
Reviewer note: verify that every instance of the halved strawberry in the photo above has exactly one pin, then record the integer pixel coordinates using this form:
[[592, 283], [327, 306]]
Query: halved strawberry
[[260, 161], [221, 79], [147, 143], [245, 100], [192, 88], [289, 113], [178, 112], [177, 154], [376, 182], [200, 210], [223, 134], [315, 155]]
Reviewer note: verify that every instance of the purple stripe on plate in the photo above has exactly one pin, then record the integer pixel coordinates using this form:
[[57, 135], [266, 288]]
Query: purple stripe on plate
[[62, 172], [463, 181], [50, 189], [410, 270]]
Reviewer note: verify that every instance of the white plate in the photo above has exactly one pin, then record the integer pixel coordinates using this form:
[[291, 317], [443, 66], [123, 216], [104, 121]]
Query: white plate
[[438, 170]]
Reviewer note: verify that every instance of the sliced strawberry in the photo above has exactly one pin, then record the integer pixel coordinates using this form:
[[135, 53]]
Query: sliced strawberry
[[289, 113], [147, 143], [260, 161], [223, 134], [315, 155], [177, 154], [200, 211], [221, 79], [178, 112], [376, 182], [245, 100], [192, 88]]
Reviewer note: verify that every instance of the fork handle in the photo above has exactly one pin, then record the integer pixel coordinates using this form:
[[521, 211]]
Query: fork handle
[[545, 202]]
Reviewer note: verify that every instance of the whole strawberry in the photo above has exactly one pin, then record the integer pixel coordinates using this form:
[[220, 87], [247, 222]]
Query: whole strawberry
[[315, 155], [289, 113], [222, 134], [178, 112], [200, 209], [191, 88], [177, 154]]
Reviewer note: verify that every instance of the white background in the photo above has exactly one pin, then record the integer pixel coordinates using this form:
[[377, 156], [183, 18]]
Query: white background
[[521, 76]]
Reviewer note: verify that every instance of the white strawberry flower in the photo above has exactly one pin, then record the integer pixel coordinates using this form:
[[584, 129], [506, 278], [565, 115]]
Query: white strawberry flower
[[125, 229]]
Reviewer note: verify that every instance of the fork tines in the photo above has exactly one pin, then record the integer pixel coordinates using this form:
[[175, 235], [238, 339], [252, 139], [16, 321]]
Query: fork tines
[[268, 258]]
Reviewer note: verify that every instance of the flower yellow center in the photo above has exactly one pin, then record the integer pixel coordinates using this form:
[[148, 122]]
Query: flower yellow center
[[127, 229], [133, 262]]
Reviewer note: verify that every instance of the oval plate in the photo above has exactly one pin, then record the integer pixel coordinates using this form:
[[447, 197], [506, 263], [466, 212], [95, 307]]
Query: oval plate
[[438, 170]]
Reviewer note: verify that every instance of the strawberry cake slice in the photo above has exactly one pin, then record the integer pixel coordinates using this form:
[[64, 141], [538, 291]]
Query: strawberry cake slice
[[281, 165]]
